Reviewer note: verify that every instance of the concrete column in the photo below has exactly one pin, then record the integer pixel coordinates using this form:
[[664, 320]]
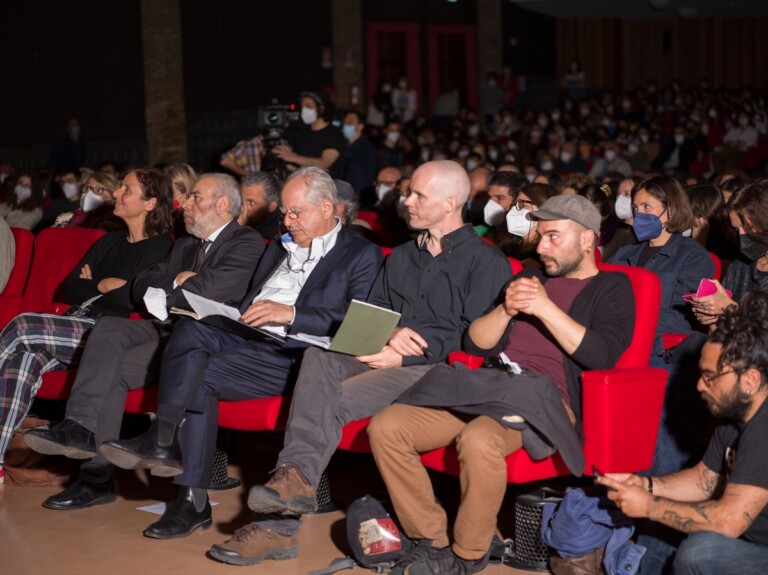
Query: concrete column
[[163, 81], [348, 52], [490, 49]]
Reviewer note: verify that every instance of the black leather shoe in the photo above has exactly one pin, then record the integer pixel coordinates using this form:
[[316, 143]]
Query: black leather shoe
[[181, 518], [154, 450], [81, 494], [68, 438]]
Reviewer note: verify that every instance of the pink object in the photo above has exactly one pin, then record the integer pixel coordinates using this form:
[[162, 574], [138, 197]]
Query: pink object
[[706, 287]]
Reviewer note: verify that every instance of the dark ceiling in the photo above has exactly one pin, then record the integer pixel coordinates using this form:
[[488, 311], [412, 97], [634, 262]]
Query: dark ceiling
[[646, 9]]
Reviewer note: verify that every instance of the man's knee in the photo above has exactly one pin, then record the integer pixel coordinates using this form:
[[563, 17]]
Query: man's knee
[[386, 428], [481, 442], [699, 553]]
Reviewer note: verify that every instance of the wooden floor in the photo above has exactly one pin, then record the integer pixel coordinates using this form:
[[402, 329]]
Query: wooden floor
[[108, 539]]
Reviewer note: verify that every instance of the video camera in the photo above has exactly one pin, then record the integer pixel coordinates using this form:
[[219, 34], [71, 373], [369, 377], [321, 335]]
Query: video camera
[[273, 120]]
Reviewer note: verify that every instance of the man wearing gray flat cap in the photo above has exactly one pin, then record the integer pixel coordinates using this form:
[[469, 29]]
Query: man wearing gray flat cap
[[546, 329]]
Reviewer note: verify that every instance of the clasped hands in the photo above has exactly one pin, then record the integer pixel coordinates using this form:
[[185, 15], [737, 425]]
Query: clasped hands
[[526, 295]]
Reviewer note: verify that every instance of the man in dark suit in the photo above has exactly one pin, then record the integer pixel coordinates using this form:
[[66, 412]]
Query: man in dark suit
[[303, 284], [217, 262]]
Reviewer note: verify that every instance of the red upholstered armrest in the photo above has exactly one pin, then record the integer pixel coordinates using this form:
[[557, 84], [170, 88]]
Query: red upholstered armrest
[[354, 436], [672, 339], [471, 361], [56, 308], [261, 414], [621, 415]]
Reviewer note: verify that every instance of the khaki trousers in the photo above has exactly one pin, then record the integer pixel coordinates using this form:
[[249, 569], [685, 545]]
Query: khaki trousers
[[400, 432]]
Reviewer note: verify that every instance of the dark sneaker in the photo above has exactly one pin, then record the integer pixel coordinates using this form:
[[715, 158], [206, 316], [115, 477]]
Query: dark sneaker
[[68, 438], [253, 544], [420, 552], [445, 562], [288, 492]]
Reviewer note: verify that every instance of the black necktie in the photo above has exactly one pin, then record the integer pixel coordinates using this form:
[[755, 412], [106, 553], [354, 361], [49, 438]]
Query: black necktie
[[200, 257]]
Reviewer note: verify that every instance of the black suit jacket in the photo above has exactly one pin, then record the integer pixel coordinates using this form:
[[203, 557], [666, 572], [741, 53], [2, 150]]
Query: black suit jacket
[[228, 266], [343, 274]]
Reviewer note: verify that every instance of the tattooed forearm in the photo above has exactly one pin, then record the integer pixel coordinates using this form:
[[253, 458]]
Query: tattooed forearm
[[680, 523], [707, 481], [699, 508]]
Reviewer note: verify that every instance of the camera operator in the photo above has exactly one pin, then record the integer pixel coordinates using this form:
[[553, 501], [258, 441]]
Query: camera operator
[[313, 141]]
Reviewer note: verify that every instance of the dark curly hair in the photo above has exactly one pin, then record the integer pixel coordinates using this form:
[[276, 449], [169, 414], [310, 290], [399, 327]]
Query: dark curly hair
[[743, 333], [155, 184]]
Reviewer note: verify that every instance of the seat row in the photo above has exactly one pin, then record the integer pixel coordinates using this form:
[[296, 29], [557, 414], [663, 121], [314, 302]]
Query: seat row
[[621, 407]]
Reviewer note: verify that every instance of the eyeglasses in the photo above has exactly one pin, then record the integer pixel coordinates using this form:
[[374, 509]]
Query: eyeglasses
[[521, 204], [99, 191], [291, 214], [709, 379]]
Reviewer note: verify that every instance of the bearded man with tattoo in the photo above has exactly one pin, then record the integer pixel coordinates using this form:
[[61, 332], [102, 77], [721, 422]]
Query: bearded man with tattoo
[[722, 502]]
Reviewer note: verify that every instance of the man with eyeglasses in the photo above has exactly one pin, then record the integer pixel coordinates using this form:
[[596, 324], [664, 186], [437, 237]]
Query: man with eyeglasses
[[303, 284], [722, 502], [439, 283], [215, 261]]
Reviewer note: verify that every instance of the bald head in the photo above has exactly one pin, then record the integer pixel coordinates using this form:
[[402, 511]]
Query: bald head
[[447, 178]]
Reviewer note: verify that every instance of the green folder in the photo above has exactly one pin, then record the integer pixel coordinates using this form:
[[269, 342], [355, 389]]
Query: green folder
[[366, 329]]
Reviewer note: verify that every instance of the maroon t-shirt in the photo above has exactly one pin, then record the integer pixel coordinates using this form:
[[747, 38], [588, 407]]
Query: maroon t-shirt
[[532, 346]]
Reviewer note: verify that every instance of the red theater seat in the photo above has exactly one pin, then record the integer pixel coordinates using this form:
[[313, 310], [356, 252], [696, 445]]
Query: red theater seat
[[57, 252], [621, 406]]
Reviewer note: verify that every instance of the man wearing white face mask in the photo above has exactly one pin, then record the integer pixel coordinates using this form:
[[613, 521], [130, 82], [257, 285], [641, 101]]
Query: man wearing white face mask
[[389, 152], [677, 153], [67, 201], [313, 141], [359, 155], [502, 191], [610, 162], [386, 180]]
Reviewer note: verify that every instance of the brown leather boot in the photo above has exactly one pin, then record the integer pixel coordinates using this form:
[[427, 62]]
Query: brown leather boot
[[288, 492], [252, 544], [589, 564]]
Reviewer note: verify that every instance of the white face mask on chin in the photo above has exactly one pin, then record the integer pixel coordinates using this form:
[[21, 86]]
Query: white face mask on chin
[[493, 213]]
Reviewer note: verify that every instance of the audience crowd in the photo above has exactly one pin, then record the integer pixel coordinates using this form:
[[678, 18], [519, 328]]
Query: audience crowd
[[661, 177]]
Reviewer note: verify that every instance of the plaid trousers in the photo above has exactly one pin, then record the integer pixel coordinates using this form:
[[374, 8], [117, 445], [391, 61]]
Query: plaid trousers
[[31, 345]]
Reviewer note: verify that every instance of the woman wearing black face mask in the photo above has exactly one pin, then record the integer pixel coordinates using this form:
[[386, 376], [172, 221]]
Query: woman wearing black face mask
[[748, 212]]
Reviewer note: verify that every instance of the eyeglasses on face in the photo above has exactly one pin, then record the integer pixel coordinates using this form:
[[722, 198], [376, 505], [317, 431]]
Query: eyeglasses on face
[[523, 204], [710, 377]]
